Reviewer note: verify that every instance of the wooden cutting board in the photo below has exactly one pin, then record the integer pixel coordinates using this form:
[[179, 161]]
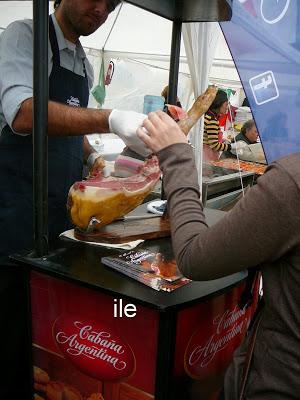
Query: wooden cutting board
[[128, 230]]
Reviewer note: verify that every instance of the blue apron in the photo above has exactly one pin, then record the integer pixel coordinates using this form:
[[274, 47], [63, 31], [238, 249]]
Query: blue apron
[[65, 155]]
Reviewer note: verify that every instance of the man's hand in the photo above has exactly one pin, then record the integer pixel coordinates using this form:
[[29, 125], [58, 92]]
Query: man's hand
[[160, 131], [125, 125], [95, 163]]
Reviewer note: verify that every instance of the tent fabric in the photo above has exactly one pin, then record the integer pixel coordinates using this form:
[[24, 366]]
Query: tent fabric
[[200, 40], [136, 31], [133, 79]]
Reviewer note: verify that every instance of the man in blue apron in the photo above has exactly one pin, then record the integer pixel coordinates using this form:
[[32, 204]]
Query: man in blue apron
[[70, 79]]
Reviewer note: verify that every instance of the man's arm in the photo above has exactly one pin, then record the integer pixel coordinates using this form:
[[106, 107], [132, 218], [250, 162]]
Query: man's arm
[[63, 120], [16, 97], [16, 87]]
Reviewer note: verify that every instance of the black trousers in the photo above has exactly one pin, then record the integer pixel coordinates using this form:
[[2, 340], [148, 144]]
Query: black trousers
[[15, 338]]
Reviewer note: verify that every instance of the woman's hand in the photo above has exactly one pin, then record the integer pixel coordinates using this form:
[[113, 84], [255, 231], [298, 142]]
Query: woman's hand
[[159, 131]]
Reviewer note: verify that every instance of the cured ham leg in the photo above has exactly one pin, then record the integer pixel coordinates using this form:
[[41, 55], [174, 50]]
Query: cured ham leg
[[97, 201], [200, 106]]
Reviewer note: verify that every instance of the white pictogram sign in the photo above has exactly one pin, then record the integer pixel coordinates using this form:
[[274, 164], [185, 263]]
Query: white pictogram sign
[[264, 87]]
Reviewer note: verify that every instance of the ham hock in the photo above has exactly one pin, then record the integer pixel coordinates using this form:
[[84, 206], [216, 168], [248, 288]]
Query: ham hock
[[97, 201]]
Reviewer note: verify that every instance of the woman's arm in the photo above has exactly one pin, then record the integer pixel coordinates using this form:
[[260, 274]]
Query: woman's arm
[[257, 230], [212, 128]]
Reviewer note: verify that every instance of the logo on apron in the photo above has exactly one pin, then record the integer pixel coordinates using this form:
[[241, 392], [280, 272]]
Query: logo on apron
[[73, 101]]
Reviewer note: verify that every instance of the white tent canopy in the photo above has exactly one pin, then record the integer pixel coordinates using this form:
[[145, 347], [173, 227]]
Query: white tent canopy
[[139, 44], [136, 30], [137, 34]]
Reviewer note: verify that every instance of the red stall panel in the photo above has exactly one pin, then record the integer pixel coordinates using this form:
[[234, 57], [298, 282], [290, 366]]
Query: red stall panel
[[207, 335], [82, 352]]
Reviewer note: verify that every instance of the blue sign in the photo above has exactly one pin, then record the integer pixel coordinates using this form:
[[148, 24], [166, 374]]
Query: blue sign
[[264, 39]]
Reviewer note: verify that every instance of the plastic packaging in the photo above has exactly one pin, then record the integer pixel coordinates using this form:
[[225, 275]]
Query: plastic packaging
[[153, 103]]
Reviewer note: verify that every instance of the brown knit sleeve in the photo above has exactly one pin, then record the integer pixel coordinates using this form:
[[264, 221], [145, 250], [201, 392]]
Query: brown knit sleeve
[[259, 229]]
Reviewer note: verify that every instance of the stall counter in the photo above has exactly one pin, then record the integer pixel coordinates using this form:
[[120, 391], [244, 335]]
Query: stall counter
[[85, 345]]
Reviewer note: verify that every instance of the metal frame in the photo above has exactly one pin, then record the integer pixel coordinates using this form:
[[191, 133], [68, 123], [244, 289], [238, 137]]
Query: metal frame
[[188, 10], [40, 126]]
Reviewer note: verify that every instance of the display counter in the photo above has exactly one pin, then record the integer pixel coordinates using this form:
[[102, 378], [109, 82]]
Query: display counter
[[218, 180], [225, 181], [98, 334], [239, 165]]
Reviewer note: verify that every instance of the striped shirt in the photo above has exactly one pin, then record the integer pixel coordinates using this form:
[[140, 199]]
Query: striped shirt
[[211, 133]]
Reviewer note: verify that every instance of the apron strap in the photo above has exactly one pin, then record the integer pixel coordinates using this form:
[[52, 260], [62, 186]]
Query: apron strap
[[53, 43], [84, 69], [55, 49]]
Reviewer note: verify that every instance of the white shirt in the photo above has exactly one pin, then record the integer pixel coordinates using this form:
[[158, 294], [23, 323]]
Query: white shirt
[[16, 65]]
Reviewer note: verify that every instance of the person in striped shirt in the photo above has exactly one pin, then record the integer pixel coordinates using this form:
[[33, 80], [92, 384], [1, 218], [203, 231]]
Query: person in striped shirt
[[212, 136]]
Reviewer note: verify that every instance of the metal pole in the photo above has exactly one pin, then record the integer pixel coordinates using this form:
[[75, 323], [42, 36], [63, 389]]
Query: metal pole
[[174, 61], [40, 125], [174, 71]]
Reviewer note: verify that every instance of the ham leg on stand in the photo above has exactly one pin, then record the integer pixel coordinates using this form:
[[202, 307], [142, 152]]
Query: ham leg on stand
[[97, 201]]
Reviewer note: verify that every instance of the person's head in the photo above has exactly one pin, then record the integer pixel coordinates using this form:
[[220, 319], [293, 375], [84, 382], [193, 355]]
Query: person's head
[[82, 17], [165, 94], [249, 130], [220, 103]]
